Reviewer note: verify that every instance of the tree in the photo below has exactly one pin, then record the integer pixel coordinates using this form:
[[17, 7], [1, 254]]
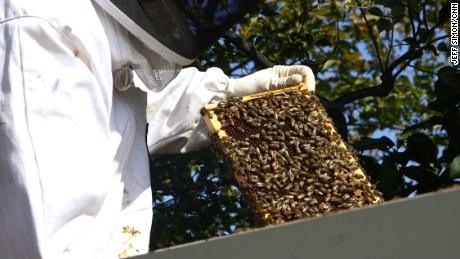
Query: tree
[[383, 75]]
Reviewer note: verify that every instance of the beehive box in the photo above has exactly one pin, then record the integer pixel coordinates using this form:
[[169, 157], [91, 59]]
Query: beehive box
[[285, 154]]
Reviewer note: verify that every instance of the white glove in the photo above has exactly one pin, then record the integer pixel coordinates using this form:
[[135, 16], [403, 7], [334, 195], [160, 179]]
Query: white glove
[[270, 79]]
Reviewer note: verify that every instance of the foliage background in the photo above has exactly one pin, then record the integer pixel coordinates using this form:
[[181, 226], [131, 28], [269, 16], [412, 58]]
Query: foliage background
[[382, 73]]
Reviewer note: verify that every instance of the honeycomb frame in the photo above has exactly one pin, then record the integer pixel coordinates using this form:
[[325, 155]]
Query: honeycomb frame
[[286, 175]]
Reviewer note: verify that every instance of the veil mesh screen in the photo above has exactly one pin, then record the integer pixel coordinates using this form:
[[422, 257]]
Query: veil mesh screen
[[187, 27]]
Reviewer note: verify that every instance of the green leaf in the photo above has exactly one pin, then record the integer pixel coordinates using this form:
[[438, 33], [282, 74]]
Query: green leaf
[[415, 14], [389, 177], [434, 120], [375, 11], [413, 3], [398, 11], [384, 25], [444, 14], [451, 77], [257, 40], [365, 143], [386, 3], [431, 48], [455, 168], [418, 53], [452, 127], [421, 149], [329, 64], [442, 46], [323, 41], [446, 89], [409, 40], [339, 122], [370, 166], [438, 105], [442, 90], [269, 12], [423, 175], [308, 38], [418, 141], [426, 35], [400, 157]]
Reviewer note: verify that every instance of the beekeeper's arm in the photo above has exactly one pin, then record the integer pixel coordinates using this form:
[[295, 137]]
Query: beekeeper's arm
[[175, 123]]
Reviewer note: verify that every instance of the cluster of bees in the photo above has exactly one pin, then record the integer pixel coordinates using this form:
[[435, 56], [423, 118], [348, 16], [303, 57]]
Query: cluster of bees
[[288, 159]]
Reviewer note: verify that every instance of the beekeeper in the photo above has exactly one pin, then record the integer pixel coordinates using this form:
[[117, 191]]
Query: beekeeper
[[74, 176]]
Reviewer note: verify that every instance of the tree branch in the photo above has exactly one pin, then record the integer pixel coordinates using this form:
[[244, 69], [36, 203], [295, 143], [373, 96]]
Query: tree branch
[[248, 49], [439, 38], [390, 46], [424, 16], [422, 70], [411, 19], [381, 90], [370, 30], [401, 69], [335, 46], [400, 60]]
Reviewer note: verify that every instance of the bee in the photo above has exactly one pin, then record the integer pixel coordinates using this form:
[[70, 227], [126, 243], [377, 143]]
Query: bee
[[262, 132], [301, 184], [253, 179], [376, 193], [265, 167], [346, 205], [267, 138], [244, 143], [274, 145], [254, 136], [253, 113], [313, 202], [317, 192]]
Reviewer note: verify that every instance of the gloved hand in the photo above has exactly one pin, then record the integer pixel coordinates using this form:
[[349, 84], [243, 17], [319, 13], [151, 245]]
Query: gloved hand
[[270, 79]]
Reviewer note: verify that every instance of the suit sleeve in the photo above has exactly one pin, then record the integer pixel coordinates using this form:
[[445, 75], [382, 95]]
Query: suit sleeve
[[175, 124]]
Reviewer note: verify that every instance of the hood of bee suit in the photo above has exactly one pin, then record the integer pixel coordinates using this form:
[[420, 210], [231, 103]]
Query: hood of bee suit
[[176, 30]]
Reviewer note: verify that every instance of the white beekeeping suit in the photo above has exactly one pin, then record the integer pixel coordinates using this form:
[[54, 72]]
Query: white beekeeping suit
[[74, 176]]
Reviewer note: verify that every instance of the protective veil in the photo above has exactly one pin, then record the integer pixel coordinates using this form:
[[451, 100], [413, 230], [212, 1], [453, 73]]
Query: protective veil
[[174, 32]]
